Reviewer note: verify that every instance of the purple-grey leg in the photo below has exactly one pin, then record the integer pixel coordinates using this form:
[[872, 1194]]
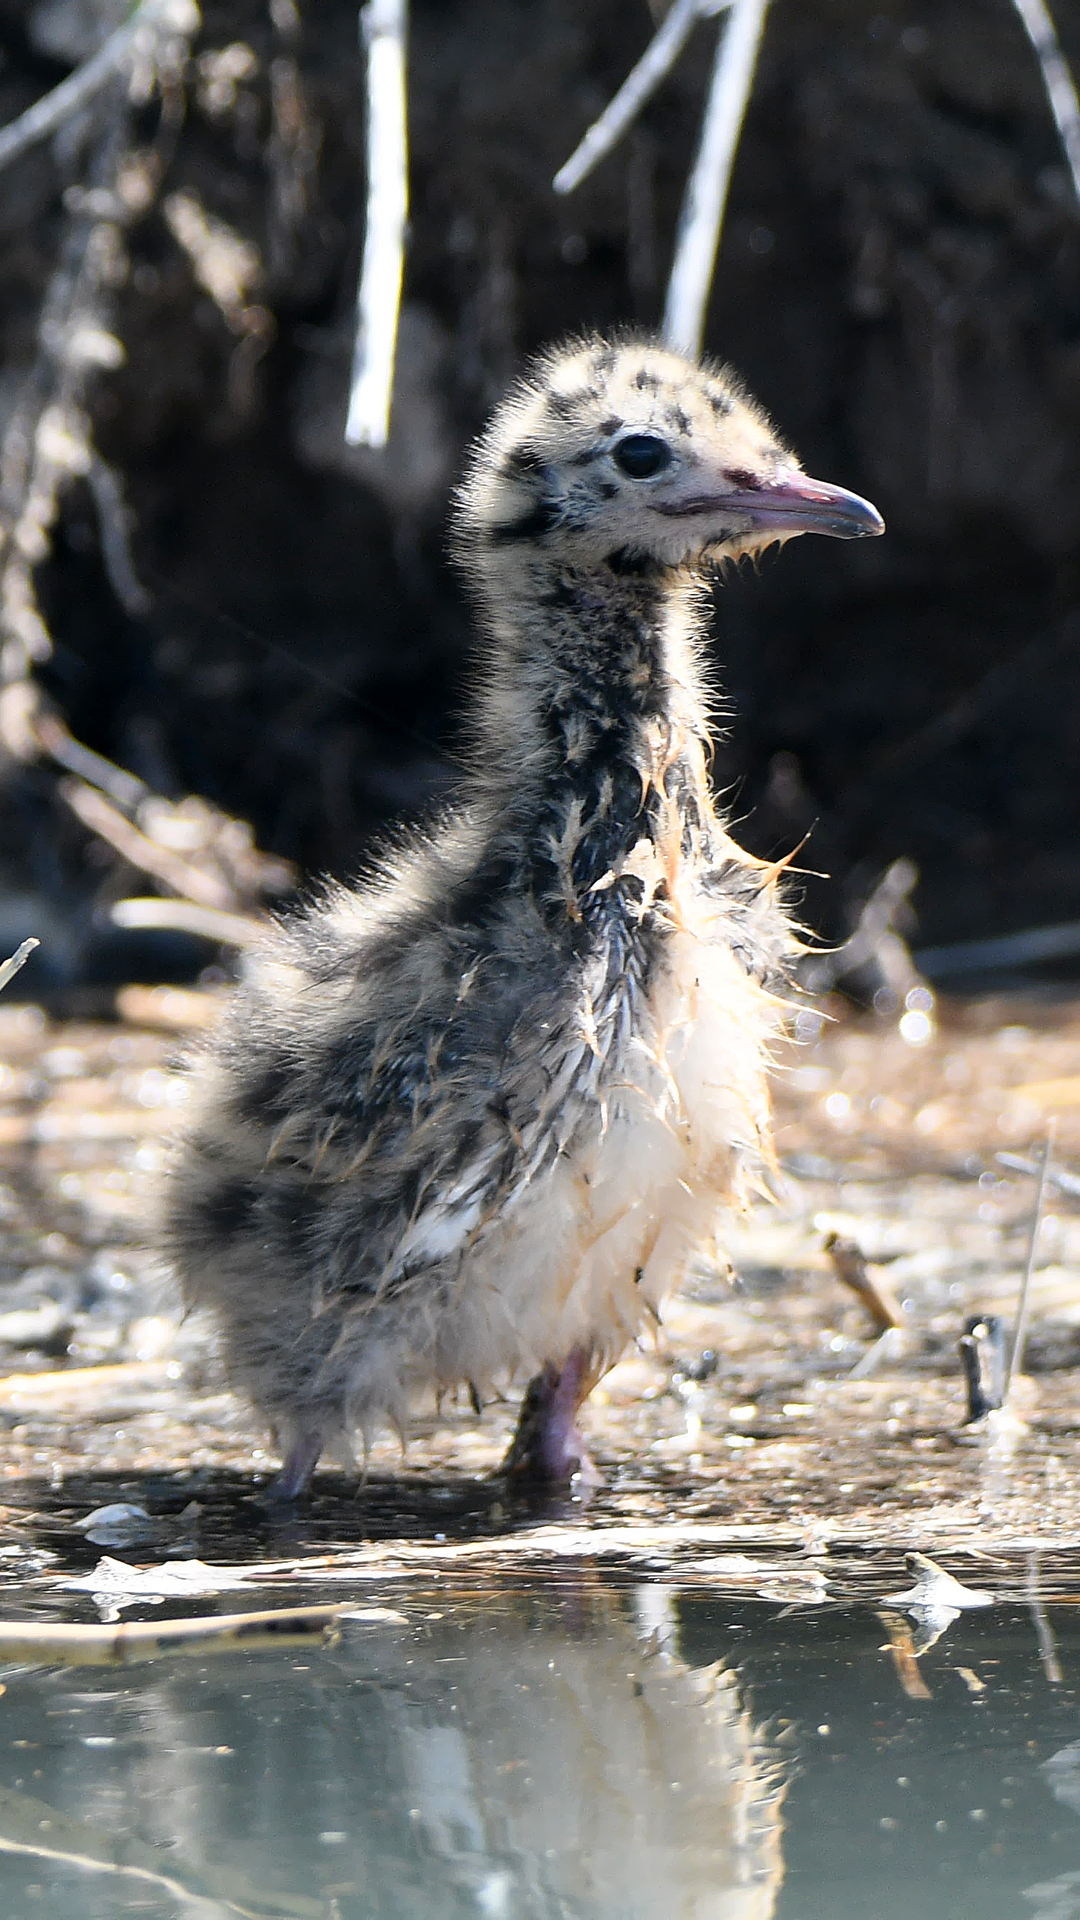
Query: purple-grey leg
[[546, 1443], [299, 1464]]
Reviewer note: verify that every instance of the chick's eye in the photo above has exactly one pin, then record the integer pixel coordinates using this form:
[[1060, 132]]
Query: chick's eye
[[640, 455]]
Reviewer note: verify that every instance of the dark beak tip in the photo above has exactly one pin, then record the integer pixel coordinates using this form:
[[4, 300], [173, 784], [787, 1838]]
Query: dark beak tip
[[833, 510], [857, 526]]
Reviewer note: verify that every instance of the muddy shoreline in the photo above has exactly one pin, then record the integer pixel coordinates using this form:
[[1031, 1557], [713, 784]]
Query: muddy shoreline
[[770, 1414]]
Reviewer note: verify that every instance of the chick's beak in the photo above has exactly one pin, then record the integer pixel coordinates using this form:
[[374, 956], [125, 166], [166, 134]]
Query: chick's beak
[[790, 502], [786, 502]]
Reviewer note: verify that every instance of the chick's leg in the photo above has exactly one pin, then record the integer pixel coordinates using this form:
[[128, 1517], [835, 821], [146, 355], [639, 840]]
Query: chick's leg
[[301, 1460], [546, 1443]]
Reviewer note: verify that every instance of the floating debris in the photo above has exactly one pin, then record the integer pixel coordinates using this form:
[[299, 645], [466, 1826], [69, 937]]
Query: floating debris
[[118, 1525], [139, 1640], [935, 1588], [935, 1601]]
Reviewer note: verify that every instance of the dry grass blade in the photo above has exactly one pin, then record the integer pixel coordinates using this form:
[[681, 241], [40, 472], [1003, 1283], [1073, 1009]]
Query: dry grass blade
[[702, 213], [1016, 1355], [383, 31], [643, 79], [1057, 80]]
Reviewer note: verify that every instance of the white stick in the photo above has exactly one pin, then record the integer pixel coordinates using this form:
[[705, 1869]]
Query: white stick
[[702, 212], [16, 961], [378, 299], [643, 79], [225, 928], [1064, 104], [50, 112]]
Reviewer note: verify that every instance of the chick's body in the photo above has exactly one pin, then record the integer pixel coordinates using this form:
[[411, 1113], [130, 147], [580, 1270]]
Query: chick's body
[[472, 1120]]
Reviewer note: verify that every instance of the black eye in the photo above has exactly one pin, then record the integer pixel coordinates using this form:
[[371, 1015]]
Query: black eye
[[641, 455]]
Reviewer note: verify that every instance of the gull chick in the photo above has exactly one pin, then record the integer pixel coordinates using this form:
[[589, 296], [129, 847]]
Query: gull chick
[[470, 1120]]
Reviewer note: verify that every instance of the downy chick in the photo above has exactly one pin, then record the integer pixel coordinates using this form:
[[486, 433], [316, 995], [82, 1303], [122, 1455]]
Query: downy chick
[[471, 1119]]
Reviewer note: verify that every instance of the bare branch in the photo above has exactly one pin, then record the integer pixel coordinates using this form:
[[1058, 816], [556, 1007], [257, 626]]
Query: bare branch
[[643, 79], [49, 113], [171, 869], [1056, 78], [46, 733], [702, 212], [378, 300]]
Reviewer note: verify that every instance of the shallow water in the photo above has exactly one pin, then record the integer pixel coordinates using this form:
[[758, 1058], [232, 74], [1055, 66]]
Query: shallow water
[[566, 1748]]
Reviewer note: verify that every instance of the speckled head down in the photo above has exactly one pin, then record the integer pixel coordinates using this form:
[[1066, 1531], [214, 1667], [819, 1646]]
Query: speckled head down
[[626, 447]]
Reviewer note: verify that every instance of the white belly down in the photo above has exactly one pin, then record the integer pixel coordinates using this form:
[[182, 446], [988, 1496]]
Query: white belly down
[[661, 1140]]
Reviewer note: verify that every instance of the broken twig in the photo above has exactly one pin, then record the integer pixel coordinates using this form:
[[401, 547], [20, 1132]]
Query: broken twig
[[874, 956], [1055, 1176], [701, 218], [100, 815], [643, 79], [378, 298]]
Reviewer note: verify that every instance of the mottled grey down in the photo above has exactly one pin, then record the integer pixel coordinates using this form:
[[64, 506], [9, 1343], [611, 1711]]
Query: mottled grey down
[[471, 1118]]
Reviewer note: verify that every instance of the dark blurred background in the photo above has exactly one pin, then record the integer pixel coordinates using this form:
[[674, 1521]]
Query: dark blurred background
[[899, 282]]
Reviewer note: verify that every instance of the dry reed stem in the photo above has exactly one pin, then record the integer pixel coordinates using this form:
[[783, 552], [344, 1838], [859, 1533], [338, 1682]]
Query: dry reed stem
[[383, 26]]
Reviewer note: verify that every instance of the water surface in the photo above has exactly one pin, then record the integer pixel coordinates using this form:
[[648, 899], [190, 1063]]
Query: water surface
[[570, 1747]]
